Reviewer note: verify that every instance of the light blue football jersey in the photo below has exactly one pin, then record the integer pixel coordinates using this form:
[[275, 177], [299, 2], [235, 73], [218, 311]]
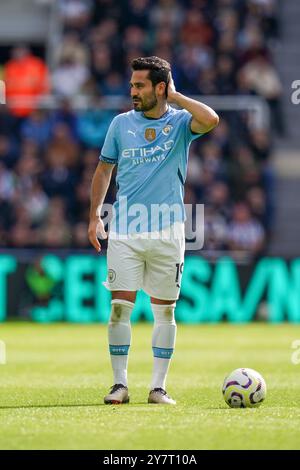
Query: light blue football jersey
[[152, 156]]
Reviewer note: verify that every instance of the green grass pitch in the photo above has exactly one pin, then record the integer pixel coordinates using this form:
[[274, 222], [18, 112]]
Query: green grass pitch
[[52, 388]]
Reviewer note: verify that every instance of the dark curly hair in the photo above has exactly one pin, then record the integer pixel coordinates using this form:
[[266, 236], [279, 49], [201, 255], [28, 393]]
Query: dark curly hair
[[159, 69]]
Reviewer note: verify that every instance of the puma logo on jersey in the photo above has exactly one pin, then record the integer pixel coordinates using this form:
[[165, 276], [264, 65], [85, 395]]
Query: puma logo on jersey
[[131, 132]]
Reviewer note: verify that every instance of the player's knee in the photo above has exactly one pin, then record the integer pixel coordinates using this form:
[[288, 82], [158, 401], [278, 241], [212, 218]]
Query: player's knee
[[120, 311], [164, 313], [169, 312], [130, 296]]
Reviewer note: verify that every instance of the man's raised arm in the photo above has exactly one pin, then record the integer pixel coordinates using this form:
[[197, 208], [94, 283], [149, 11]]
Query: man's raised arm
[[204, 117]]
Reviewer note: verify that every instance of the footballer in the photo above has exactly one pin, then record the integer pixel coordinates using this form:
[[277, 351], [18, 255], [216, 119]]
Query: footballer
[[149, 145]]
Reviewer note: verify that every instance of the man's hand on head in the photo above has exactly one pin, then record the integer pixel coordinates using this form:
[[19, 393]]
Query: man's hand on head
[[171, 91]]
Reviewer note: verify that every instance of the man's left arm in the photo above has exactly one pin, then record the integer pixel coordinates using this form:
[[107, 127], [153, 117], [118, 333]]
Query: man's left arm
[[204, 118]]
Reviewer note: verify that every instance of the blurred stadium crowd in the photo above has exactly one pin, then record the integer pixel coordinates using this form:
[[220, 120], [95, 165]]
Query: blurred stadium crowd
[[48, 157]]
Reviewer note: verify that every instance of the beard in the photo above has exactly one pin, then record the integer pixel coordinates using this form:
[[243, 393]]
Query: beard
[[146, 104]]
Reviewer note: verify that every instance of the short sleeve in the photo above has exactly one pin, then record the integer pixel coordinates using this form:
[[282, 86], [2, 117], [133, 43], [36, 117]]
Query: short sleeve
[[187, 119], [109, 151]]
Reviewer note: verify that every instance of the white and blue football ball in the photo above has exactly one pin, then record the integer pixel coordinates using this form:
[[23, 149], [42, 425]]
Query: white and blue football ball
[[244, 388]]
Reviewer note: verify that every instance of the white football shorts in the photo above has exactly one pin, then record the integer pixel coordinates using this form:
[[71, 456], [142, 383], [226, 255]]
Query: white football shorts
[[149, 261]]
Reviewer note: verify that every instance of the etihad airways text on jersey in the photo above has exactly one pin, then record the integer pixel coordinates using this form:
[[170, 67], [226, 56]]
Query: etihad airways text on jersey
[[144, 151]]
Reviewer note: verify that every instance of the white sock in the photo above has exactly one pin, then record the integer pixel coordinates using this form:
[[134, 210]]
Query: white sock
[[163, 342], [119, 337]]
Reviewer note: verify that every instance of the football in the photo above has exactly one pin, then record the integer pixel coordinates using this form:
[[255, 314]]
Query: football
[[244, 388]]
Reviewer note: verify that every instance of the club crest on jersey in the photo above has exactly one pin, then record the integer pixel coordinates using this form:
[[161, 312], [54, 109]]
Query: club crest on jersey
[[167, 129], [150, 134]]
